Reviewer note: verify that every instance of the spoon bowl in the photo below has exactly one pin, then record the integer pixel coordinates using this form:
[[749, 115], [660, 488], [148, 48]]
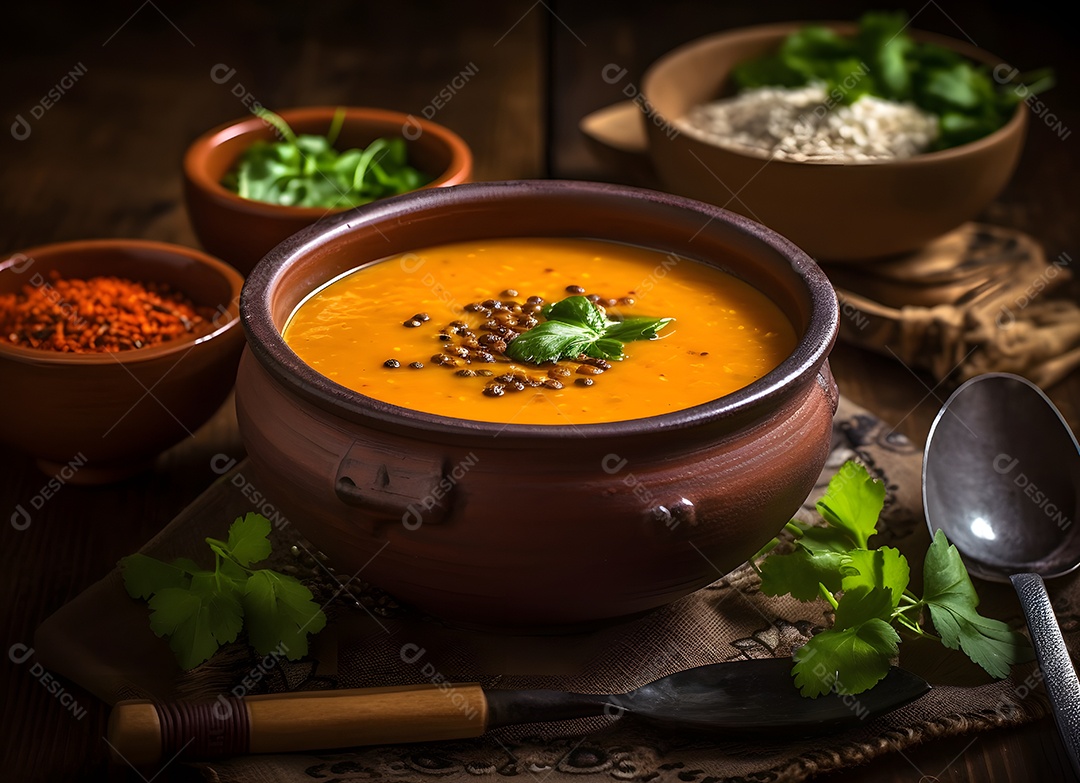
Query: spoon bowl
[[1001, 479]]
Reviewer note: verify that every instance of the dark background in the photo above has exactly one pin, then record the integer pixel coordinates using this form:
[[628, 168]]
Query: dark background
[[392, 55], [105, 160]]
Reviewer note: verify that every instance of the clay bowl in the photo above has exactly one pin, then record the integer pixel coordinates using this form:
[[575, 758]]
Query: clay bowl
[[382, 488], [836, 212], [97, 417], [240, 231]]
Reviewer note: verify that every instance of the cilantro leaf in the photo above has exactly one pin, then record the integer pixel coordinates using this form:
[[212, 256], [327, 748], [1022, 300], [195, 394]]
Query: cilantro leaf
[[825, 539], [220, 595], [550, 341], [861, 604], [884, 567], [248, 542], [885, 49], [766, 71], [144, 575], [873, 590], [606, 348], [853, 502], [279, 612], [637, 328], [800, 573], [184, 617], [952, 601], [579, 311], [576, 326], [199, 610], [959, 87], [851, 660], [813, 50]]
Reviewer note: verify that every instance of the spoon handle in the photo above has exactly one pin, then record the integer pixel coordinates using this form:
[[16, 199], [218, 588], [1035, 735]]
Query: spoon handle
[[1059, 675]]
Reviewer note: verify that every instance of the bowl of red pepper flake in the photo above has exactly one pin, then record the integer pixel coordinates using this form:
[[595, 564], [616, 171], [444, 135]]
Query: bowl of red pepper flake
[[112, 351]]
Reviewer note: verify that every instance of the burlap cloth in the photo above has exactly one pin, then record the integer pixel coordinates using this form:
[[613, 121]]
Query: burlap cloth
[[979, 299], [102, 641]]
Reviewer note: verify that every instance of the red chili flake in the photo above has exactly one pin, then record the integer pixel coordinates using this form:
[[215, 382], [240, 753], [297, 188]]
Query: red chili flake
[[97, 315]]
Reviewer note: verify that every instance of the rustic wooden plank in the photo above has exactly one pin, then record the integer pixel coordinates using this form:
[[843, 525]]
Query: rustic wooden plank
[[1039, 200], [105, 161]]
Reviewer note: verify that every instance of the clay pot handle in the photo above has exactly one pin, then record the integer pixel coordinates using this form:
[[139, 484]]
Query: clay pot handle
[[415, 492]]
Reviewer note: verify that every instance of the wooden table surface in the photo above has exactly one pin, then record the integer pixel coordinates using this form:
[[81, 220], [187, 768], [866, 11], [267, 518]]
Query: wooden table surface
[[103, 161]]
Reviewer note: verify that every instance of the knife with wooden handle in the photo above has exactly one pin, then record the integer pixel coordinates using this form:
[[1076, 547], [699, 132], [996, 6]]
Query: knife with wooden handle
[[738, 698]]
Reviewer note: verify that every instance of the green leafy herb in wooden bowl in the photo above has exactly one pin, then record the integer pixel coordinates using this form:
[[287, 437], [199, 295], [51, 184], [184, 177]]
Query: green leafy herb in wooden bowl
[[307, 171], [869, 590], [576, 326], [199, 609], [881, 59]]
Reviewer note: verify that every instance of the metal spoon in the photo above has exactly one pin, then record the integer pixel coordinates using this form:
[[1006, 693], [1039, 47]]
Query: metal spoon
[[1001, 478], [753, 697]]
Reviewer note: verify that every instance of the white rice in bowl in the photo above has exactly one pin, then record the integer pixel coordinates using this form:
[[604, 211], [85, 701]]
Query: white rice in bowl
[[803, 124]]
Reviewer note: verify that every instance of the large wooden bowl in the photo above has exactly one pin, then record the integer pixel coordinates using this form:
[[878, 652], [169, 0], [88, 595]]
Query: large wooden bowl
[[833, 211]]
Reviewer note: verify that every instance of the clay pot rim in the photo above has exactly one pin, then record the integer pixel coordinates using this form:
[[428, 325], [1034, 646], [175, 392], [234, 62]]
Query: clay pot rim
[[779, 30], [458, 170], [60, 250], [272, 352]]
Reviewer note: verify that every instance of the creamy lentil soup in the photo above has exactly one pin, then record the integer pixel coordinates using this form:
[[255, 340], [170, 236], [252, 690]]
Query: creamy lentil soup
[[427, 331]]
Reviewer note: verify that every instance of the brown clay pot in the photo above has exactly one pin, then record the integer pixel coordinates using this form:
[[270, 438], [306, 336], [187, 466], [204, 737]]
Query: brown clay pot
[[533, 527]]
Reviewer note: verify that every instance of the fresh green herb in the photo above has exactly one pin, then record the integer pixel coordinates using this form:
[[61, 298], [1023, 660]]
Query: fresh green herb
[[868, 589], [883, 60], [576, 326], [200, 610], [306, 170]]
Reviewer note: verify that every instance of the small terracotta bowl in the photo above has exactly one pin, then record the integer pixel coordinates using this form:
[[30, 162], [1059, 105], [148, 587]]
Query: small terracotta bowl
[[836, 212], [540, 533], [241, 231], [99, 417]]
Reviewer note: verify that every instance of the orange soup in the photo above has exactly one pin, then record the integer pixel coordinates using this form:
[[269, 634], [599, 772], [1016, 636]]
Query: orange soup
[[428, 331]]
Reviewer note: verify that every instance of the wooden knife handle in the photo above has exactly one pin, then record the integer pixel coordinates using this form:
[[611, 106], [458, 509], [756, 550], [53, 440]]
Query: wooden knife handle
[[144, 733]]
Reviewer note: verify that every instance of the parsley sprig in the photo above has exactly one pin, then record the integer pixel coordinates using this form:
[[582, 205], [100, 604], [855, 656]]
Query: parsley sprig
[[868, 590], [200, 610], [576, 326]]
